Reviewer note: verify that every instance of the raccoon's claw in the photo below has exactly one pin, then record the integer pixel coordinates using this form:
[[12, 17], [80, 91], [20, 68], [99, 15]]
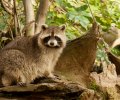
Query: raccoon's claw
[[57, 77], [21, 84]]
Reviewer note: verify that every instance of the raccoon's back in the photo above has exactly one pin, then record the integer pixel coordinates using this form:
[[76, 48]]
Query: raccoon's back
[[26, 46], [15, 52], [18, 43]]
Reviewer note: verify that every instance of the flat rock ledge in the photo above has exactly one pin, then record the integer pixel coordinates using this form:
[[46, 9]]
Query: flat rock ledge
[[48, 91]]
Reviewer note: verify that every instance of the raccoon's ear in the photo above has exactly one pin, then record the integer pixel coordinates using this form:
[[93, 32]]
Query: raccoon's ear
[[44, 27], [62, 27]]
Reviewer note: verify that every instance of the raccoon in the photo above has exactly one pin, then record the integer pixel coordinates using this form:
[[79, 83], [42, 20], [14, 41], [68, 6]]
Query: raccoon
[[27, 58]]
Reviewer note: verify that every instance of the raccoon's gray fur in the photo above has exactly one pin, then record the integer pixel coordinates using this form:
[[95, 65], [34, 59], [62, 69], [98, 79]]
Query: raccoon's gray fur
[[27, 58]]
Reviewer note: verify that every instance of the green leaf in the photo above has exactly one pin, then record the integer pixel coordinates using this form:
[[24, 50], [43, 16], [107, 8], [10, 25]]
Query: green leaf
[[4, 39], [82, 8], [84, 22]]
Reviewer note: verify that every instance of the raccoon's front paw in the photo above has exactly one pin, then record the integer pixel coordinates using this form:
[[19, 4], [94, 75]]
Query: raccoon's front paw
[[21, 84], [51, 76], [55, 77]]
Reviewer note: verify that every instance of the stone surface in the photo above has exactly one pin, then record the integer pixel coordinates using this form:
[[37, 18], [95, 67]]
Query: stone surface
[[107, 81], [49, 91], [44, 91]]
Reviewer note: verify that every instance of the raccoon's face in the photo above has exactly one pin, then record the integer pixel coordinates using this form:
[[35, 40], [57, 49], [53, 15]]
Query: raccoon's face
[[53, 36]]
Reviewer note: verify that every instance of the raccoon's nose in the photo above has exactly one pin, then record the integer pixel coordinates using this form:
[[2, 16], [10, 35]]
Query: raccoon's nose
[[51, 43]]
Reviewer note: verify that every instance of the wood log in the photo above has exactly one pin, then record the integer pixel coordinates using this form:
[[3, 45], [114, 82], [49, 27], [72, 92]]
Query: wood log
[[78, 57], [115, 60]]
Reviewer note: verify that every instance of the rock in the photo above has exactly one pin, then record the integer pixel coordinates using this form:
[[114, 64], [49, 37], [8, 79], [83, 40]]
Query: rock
[[49, 91], [90, 95], [107, 81], [44, 91]]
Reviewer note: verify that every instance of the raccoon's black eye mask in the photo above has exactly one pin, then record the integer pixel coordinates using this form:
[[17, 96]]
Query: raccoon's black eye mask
[[59, 41]]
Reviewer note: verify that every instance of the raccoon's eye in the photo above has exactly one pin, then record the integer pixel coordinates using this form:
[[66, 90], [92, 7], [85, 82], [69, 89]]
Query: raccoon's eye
[[46, 39], [58, 39]]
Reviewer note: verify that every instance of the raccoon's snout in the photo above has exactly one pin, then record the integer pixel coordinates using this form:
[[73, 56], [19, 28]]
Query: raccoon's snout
[[52, 43]]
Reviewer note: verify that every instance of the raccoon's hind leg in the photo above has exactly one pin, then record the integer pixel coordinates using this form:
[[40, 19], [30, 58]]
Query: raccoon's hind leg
[[13, 62], [13, 78], [7, 80]]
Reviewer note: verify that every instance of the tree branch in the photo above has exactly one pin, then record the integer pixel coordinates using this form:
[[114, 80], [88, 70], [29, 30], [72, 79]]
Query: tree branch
[[29, 16], [41, 14], [16, 22], [7, 6]]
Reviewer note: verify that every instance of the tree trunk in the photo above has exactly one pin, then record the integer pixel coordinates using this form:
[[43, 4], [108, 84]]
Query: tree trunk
[[29, 17], [16, 21], [8, 7], [78, 57], [41, 14]]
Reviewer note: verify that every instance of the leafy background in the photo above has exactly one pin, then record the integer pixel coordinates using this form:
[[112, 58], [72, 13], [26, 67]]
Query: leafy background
[[74, 13]]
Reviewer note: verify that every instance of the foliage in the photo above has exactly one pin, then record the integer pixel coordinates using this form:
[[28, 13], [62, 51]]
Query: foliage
[[97, 89], [4, 18], [101, 54], [106, 12], [74, 13], [94, 86], [116, 50], [77, 16]]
